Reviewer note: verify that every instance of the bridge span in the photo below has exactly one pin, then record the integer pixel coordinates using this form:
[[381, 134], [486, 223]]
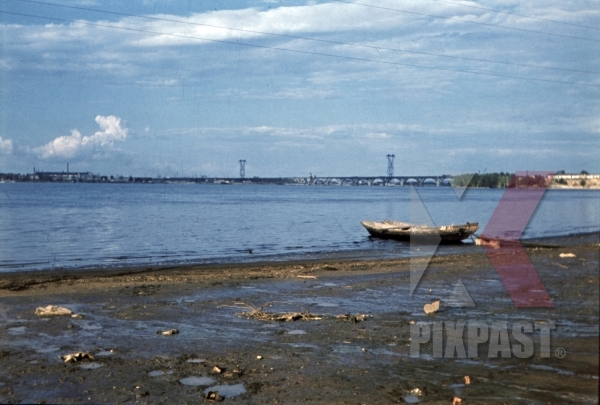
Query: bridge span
[[439, 180], [436, 180]]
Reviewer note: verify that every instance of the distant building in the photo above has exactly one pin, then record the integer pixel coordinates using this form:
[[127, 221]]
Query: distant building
[[580, 176], [63, 176]]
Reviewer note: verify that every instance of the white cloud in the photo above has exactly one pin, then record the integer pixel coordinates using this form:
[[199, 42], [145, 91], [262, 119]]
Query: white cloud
[[75, 144], [128, 46], [6, 146]]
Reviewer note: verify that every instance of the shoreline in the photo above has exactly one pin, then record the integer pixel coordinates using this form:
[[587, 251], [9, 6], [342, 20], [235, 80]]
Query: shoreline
[[18, 280]]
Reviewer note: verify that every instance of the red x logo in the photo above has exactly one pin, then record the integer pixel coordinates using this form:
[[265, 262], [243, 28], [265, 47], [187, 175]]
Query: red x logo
[[501, 239]]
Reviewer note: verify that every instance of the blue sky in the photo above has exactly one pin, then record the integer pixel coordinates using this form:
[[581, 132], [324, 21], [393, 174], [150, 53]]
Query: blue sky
[[164, 87]]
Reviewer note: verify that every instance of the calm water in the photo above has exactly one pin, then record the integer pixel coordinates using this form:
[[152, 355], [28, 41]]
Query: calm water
[[46, 226]]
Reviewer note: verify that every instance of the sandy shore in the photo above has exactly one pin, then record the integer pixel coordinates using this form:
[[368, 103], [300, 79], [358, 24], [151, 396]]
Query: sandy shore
[[318, 361]]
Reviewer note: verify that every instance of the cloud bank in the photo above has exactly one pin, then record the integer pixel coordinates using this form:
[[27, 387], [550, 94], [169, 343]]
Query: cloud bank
[[446, 85], [73, 145]]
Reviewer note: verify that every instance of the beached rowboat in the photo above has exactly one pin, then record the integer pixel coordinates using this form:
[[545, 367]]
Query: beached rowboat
[[422, 233]]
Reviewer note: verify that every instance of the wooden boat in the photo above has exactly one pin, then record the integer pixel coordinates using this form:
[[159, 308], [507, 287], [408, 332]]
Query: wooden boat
[[420, 233]]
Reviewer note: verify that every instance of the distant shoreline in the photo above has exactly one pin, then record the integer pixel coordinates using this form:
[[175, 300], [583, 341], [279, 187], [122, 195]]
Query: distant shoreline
[[561, 187], [553, 186], [501, 180]]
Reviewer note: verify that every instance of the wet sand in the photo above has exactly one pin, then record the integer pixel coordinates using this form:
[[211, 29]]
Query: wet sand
[[317, 361]]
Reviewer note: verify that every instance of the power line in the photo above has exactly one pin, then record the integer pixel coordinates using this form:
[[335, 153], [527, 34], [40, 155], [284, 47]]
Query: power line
[[476, 72], [518, 15], [378, 48], [469, 22]]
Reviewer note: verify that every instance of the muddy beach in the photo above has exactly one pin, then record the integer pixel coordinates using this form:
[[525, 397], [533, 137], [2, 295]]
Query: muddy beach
[[324, 360]]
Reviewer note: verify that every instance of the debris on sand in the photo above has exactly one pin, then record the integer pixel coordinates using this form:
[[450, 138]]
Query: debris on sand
[[52, 310], [467, 380], [313, 277], [217, 369], [432, 308], [566, 255], [73, 357], [416, 391], [352, 318], [259, 357], [142, 394], [168, 332], [490, 242], [260, 314], [456, 401], [213, 396]]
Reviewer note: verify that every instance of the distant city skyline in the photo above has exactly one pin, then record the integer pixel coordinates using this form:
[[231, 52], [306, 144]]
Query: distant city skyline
[[557, 174], [143, 88]]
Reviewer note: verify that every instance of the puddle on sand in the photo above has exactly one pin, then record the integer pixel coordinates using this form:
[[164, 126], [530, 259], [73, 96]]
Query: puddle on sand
[[345, 349], [552, 369], [458, 389], [158, 373], [104, 353], [155, 373], [227, 391], [48, 349], [304, 345], [196, 381], [297, 332], [91, 366], [327, 304], [195, 361], [410, 399], [17, 330], [386, 352], [90, 326]]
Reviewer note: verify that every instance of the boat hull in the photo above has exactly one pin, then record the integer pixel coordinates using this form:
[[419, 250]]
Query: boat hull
[[420, 234]]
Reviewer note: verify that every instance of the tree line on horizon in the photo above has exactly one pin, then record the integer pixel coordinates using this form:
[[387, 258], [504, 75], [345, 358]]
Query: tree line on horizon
[[486, 180], [504, 180]]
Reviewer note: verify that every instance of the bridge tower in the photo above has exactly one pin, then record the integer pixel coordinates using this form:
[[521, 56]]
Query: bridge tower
[[390, 171], [242, 169]]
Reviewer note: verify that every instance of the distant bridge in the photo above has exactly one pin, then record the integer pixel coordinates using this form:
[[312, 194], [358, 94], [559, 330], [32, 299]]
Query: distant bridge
[[440, 180], [377, 181]]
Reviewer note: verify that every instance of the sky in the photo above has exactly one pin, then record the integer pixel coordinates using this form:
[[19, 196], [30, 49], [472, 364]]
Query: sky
[[189, 87]]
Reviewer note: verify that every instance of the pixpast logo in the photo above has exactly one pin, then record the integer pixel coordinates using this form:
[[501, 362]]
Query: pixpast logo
[[501, 241]]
